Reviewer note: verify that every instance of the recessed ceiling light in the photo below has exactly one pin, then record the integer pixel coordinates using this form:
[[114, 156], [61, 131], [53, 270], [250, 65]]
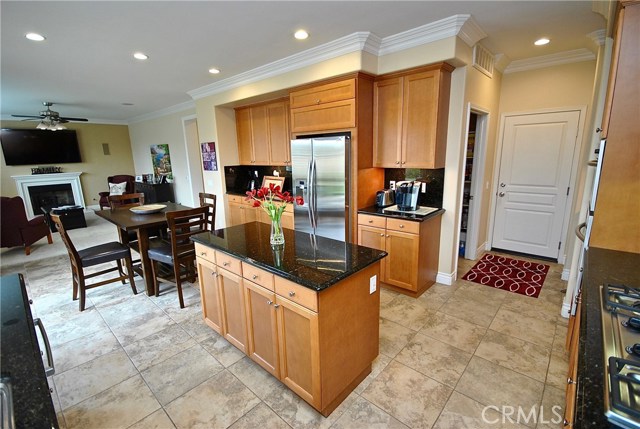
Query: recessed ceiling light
[[542, 41], [301, 35], [214, 70], [35, 37], [127, 104], [140, 56]]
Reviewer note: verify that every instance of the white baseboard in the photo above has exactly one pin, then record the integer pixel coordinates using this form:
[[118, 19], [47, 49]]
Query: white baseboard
[[91, 208], [564, 311], [565, 274], [446, 278]]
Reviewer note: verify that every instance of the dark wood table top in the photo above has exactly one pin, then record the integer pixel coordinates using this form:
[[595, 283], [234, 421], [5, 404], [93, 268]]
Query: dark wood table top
[[130, 221]]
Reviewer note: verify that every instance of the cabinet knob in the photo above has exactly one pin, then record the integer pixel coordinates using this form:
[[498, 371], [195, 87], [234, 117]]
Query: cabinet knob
[[255, 276], [387, 235], [404, 162], [203, 253], [401, 226], [269, 302], [381, 235], [397, 162], [225, 264], [570, 381], [276, 306], [292, 293], [318, 101], [598, 130], [370, 221]]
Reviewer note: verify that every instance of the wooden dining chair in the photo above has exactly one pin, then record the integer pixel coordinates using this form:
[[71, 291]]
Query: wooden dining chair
[[126, 201], [95, 255], [179, 251], [209, 200]]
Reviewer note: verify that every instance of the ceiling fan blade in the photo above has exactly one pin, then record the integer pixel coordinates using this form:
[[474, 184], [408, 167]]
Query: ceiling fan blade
[[67, 119], [29, 116]]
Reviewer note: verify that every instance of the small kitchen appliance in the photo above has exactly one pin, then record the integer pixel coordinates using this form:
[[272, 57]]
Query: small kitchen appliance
[[407, 195], [621, 347], [385, 198]]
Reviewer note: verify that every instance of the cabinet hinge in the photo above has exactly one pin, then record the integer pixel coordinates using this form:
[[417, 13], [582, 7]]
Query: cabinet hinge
[[559, 243], [568, 187]]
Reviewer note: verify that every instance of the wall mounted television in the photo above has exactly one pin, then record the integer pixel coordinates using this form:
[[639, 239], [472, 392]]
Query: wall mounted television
[[38, 147]]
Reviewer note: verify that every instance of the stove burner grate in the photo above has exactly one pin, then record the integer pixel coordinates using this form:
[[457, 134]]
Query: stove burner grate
[[621, 297], [621, 373]]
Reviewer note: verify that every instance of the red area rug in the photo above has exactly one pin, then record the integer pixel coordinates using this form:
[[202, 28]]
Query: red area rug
[[523, 277]]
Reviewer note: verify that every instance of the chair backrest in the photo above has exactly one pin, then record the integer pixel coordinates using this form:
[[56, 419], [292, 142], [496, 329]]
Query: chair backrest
[[126, 200], [119, 178], [182, 225], [209, 200], [71, 249], [13, 216]]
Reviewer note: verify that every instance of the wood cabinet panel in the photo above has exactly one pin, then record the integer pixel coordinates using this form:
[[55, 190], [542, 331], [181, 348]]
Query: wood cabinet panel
[[205, 252], [377, 221], [279, 135], [209, 294], [401, 266], [260, 135], [328, 116], [258, 276], [263, 134], [387, 122], [324, 93], [403, 226], [243, 131], [419, 120], [299, 294], [233, 308], [262, 328], [229, 263], [299, 350]]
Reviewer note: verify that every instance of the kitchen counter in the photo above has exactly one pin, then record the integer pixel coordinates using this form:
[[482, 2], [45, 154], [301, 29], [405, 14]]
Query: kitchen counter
[[311, 261], [602, 266], [379, 211], [20, 358]]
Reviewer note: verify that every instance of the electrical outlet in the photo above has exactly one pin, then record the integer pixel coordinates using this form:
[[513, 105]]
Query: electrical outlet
[[392, 184], [373, 281]]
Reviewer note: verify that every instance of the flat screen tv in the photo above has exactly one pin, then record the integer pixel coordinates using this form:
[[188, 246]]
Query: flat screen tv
[[38, 147]]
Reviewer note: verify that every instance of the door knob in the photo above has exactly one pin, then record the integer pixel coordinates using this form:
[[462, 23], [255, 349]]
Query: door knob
[[502, 185], [501, 194]]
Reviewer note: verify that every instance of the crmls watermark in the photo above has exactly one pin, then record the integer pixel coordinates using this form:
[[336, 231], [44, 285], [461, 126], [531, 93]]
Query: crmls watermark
[[521, 415]]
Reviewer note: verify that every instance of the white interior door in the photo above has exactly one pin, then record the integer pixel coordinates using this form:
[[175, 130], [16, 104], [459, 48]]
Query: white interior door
[[194, 162], [533, 183]]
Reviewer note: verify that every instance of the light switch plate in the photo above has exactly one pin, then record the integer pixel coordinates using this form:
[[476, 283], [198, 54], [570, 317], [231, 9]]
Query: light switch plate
[[373, 281]]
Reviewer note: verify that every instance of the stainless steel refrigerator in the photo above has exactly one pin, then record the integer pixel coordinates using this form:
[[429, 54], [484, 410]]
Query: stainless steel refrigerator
[[320, 176]]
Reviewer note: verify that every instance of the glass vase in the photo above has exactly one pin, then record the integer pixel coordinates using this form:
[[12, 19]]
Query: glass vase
[[277, 235]]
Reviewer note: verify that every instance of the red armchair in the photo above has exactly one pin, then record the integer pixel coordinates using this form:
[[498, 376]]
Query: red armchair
[[104, 196], [16, 229]]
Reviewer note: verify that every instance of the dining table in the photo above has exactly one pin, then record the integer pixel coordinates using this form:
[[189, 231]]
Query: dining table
[[140, 222]]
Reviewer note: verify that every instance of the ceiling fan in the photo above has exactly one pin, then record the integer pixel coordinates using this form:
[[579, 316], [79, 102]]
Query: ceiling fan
[[50, 119]]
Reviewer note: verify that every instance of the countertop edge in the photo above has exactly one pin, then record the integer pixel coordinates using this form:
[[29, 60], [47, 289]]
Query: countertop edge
[[377, 211]]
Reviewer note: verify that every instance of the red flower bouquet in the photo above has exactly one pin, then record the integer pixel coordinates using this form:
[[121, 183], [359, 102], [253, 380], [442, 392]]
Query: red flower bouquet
[[273, 202]]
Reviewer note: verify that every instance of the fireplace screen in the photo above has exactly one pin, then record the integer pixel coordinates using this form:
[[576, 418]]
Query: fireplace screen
[[50, 196]]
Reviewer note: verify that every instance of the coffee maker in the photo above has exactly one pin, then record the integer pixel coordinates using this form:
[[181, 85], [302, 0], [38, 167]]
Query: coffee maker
[[407, 195]]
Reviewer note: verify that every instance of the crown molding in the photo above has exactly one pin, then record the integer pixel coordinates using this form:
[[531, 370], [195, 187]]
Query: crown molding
[[543, 61], [598, 37], [470, 32], [500, 62], [163, 112]]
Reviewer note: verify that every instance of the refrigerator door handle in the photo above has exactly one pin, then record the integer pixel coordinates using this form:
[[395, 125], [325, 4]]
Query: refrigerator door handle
[[309, 194], [314, 198]]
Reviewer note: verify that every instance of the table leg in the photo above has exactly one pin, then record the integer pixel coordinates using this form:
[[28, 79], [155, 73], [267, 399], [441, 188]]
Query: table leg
[[147, 273]]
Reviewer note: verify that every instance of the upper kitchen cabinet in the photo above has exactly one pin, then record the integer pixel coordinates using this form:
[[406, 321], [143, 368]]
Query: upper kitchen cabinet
[[328, 106], [616, 225], [410, 117], [263, 134]]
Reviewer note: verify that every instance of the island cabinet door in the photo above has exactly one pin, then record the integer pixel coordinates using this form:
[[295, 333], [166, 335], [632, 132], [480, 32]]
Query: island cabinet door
[[401, 265], [299, 350], [375, 238], [262, 327], [209, 294], [233, 308]]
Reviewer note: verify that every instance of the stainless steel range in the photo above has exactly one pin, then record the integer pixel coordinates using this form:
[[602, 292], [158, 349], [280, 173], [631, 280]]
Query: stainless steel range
[[621, 347]]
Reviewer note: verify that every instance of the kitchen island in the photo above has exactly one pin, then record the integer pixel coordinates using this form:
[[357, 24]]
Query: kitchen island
[[307, 312]]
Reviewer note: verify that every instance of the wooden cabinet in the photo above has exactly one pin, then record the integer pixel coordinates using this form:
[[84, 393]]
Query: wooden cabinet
[[155, 192], [572, 346], [412, 262], [319, 344], [242, 211], [328, 106], [616, 224], [410, 118], [263, 134]]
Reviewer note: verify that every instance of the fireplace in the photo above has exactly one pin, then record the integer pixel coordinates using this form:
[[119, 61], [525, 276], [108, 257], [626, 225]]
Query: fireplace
[[49, 190]]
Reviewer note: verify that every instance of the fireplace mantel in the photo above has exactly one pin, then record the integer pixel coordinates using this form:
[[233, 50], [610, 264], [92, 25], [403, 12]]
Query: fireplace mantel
[[23, 183]]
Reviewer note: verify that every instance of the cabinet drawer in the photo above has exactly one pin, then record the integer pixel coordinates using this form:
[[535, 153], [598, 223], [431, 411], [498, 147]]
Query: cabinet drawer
[[299, 294], [229, 263], [237, 199], [369, 220], [403, 226], [329, 116], [257, 275], [321, 94], [205, 252]]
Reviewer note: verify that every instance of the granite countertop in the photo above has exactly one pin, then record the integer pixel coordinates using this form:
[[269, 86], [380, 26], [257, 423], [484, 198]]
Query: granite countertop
[[379, 211], [311, 261], [602, 266], [20, 359]]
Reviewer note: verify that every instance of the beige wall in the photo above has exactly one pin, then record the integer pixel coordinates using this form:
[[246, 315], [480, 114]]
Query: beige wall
[[95, 166], [165, 130]]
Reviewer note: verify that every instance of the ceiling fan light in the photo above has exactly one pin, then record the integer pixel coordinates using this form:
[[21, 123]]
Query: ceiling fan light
[[42, 126], [59, 126]]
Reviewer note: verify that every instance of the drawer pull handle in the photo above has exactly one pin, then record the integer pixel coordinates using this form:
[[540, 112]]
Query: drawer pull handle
[[401, 226], [318, 101], [292, 293], [269, 302], [276, 306], [225, 264], [387, 235], [203, 253], [255, 276], [570, 381], [370, 221], [381, 235]]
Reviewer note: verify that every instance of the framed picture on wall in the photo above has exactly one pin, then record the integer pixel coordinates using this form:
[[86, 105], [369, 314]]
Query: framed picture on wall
[[267, 181], [209, 161]]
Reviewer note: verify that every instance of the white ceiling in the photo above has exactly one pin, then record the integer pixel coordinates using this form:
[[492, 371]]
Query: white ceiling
[[86, 66]]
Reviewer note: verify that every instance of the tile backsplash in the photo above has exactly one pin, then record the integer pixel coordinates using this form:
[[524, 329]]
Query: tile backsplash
[[433, 178]]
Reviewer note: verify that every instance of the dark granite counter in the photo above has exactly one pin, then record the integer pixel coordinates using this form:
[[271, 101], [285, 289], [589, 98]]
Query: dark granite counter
[[20, 359], [602, 266], [311, 261], [378, 211]]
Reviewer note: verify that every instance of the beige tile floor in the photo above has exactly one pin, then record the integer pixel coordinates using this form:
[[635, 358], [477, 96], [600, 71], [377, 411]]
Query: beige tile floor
[[460, 356]]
